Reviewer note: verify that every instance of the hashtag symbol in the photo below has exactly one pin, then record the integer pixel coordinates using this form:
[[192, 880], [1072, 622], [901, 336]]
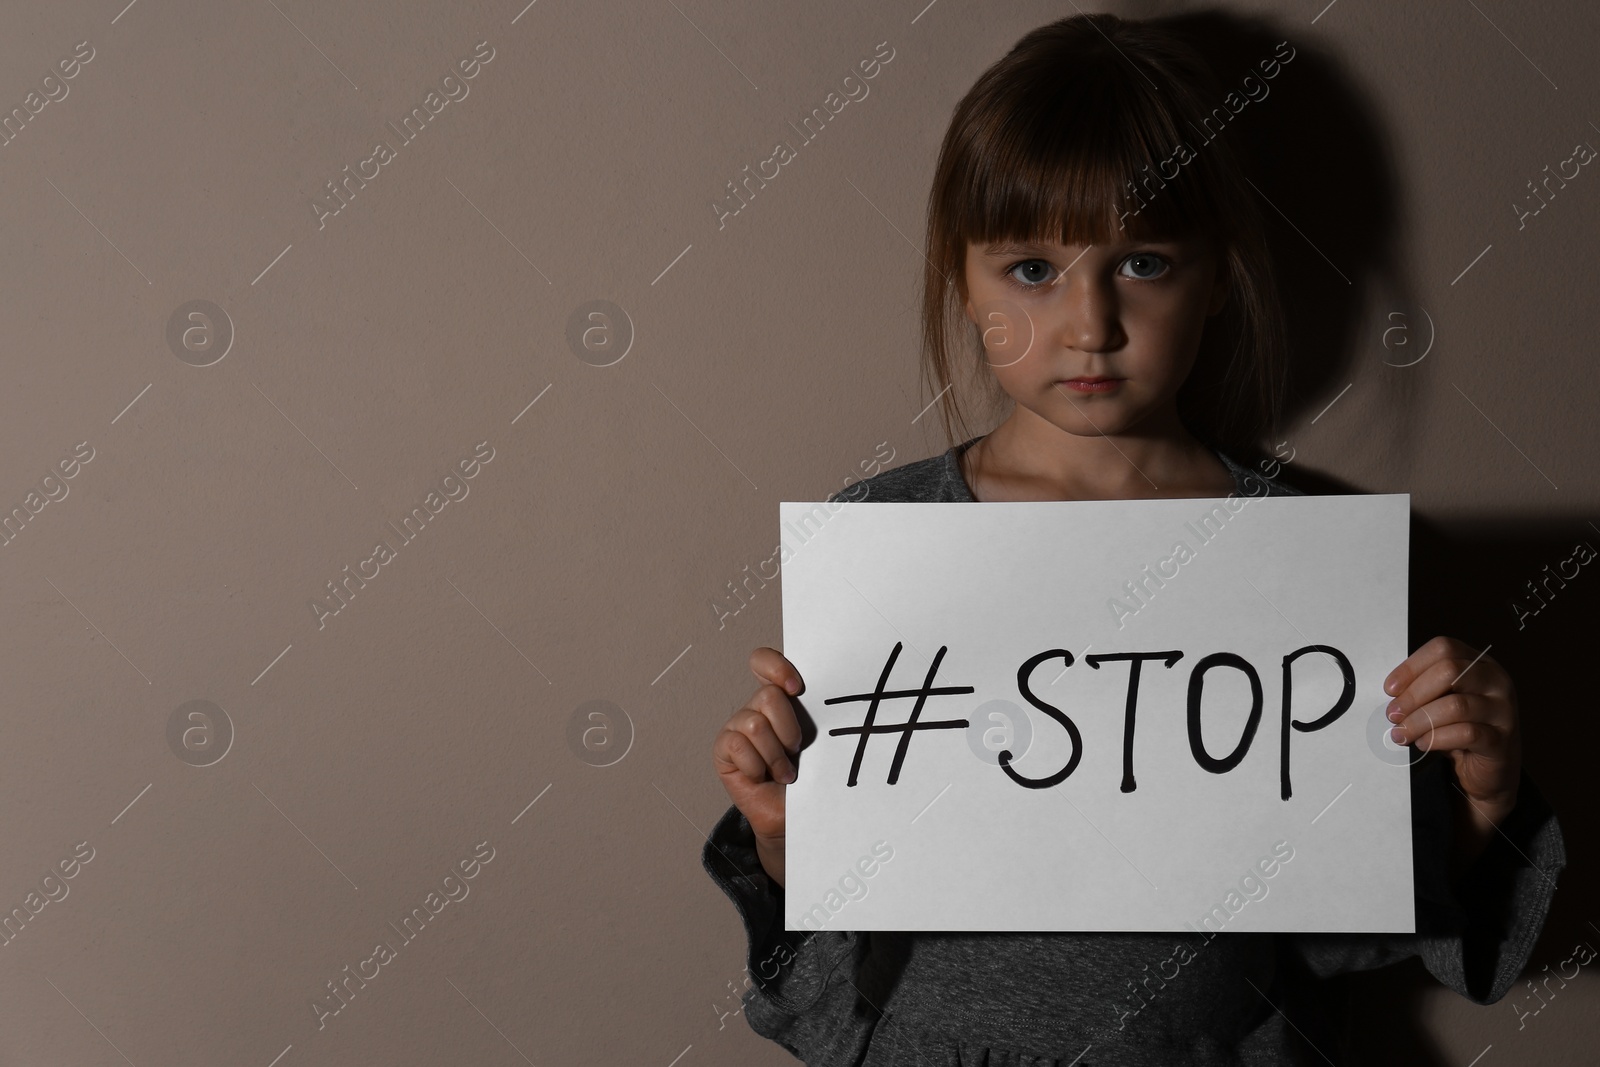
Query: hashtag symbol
[[869, 726]]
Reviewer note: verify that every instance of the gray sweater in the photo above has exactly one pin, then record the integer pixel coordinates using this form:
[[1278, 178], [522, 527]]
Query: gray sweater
[[937, 999]]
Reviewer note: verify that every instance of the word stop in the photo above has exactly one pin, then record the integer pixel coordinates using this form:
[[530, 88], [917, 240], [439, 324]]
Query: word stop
[[1135, 660]]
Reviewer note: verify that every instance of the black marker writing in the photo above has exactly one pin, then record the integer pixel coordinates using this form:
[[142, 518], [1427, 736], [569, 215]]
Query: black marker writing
[[1055, 713], [1347, 696], [868, 726], [1135, 661], [1197, 681]]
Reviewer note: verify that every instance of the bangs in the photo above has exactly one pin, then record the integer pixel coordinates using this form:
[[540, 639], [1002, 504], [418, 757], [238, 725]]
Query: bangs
[[1091, 155]]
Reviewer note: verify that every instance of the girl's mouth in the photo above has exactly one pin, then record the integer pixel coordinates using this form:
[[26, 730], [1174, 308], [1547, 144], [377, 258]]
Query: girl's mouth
[[1092, 385]]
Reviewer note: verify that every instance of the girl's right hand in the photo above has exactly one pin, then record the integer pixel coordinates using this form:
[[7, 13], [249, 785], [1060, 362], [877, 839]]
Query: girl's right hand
[[754, 754]]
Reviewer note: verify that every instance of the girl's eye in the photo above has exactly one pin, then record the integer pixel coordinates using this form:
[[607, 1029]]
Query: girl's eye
[[1033, 274], [1147, 266]]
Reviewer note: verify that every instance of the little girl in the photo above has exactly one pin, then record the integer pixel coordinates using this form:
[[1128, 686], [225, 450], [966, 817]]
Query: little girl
[[1110, 261]]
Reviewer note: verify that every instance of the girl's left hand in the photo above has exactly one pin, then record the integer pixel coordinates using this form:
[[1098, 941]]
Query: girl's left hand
[[1448, 697]]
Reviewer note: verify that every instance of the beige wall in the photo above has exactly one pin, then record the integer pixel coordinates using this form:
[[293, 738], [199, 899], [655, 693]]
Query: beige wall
[[372, 352]]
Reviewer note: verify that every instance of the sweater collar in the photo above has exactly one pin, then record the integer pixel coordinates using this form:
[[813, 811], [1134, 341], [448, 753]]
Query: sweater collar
[[956, 488]]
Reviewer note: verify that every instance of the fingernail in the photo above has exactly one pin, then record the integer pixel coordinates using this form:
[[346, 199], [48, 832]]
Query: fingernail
[[792, 686], [1397, 735], [788, 775], [1395, 714]]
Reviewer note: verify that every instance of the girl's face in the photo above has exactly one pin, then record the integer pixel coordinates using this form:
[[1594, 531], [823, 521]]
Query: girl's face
[[1132, 312]]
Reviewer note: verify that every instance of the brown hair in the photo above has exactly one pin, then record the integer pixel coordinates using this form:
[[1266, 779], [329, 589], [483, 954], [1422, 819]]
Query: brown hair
[[1049, 145]]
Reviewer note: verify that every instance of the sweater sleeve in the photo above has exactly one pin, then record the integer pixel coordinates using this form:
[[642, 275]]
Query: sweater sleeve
[[1474, 932], [801, 990]]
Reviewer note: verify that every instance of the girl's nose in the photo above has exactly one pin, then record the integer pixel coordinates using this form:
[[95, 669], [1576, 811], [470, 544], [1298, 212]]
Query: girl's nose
[[1088, 313]]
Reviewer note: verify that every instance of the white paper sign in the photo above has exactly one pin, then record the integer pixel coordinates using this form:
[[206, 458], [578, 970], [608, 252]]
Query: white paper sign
[[1029, 796]]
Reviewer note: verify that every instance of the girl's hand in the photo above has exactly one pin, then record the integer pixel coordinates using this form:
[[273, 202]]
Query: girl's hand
[[754, 751], [1450, 698]]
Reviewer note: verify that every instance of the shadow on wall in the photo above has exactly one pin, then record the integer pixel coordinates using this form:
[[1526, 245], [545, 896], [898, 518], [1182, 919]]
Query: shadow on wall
[[1311, 142], [1320, 157], [1518, 589]]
